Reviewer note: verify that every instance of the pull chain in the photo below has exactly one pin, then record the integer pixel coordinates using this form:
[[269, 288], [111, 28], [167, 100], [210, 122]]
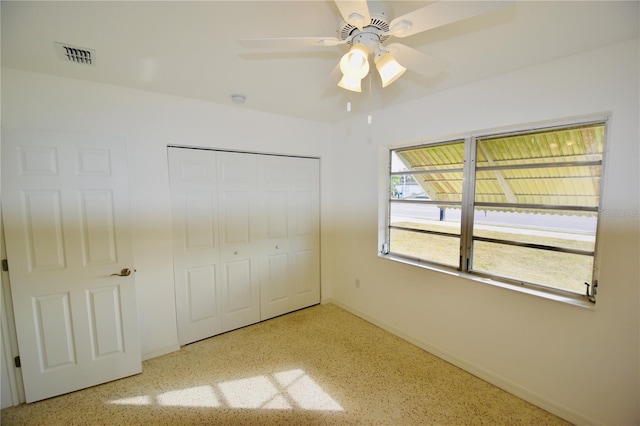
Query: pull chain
[[369, 118]]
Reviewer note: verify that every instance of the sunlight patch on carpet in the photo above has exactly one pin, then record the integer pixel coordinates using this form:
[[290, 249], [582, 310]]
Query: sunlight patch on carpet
[[254, 392], [200, 396], [286, 390], [305, 392], [136, 400]]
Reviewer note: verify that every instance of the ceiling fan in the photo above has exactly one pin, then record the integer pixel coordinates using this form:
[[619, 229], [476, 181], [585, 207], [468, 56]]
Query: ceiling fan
[[367, 31]]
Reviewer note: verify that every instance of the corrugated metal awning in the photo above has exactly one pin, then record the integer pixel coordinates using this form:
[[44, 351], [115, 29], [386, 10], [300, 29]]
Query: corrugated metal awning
[[559, 167]]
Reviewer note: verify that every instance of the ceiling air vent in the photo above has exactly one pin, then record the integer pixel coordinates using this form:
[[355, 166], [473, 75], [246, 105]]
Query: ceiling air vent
[[79, 55]]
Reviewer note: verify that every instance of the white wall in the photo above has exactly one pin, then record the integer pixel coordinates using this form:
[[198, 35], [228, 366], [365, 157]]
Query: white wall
[[148, 123], [581, 363]]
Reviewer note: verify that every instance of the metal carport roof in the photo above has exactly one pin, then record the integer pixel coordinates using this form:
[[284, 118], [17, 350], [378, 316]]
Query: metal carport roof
[[554, 167]]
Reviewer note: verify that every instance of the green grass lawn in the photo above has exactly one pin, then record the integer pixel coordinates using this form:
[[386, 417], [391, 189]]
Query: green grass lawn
[[553, 269]]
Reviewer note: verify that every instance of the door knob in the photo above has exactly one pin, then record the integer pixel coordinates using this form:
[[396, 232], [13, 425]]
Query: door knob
[[123, 273]]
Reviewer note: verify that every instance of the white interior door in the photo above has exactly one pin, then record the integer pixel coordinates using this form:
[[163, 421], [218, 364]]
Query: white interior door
[[305, 232], [289, 228], [276, 282], [196, 250], [246, 238], [239, 239], [65, 210]]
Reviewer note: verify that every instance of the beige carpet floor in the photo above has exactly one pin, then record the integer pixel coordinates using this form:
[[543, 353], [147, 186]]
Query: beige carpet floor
[[320, 365]]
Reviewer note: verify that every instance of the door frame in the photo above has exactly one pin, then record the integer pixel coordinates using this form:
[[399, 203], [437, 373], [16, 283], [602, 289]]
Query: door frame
[[9, 334]]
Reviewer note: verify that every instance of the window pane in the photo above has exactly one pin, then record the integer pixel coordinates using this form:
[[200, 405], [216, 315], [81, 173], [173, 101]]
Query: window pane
[[431, 186], [434, 248], [535, 198], [585, 143], [442, 165], [425, 216], [406, 187], [557, 229], [560, 186], [563, 271], [429, 157]]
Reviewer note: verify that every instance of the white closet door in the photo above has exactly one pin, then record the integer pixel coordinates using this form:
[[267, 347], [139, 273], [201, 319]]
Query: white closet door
[[196, 251], [246, 238], [276, 284], [66, 216], [305, 232], [289, 227], [239, 239]]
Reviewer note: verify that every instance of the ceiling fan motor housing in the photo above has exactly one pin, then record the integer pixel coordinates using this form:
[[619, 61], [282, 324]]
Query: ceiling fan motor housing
[[376, 30]]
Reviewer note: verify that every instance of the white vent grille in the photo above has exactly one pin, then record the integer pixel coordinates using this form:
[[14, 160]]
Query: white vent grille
[[79, 55]]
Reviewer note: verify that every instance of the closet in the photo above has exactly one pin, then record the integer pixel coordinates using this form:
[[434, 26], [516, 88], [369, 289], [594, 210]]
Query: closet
[[246, 238]]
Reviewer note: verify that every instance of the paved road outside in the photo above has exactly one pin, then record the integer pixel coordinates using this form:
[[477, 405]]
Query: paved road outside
[[580, 228]]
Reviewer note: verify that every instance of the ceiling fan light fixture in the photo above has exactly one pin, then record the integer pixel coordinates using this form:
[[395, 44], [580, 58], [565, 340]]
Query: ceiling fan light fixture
[[349, 83], [355, 63], [389, 69]]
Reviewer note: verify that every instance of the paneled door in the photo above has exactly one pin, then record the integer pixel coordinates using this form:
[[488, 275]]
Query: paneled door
[[289, 228], [67, 227], [305, 231], [196, 249], [246, 238], [275, 228], [239, 239]]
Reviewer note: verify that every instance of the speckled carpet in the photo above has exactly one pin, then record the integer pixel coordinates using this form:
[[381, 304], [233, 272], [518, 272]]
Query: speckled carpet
[[320, 365]]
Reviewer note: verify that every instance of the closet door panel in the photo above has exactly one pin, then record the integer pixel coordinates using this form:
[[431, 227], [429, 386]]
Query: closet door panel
[[246, 238], [239, 243], [305, 283], [289, 265], [237, 286], [275, 230], [236, 214], [305, 232], [194, 198], [277, 214], [201, 293]]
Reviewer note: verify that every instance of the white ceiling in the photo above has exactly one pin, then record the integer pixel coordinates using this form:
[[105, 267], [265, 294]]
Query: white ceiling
[[190, 49]]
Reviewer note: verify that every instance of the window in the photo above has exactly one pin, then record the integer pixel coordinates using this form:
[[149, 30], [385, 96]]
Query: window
[[519, 208]]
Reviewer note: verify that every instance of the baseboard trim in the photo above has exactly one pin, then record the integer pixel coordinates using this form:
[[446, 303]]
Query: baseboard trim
[[160, 351], [507, 385]]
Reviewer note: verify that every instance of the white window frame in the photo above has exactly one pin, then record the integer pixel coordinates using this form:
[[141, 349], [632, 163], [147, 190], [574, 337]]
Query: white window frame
[[468, 205]]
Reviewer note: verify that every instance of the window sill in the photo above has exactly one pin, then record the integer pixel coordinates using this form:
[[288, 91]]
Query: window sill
[[577, 300]]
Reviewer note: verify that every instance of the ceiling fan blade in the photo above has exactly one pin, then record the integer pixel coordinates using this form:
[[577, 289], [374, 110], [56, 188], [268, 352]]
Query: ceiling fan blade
[[355, 12], [439, 14], [280, 42], [416, 60]]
